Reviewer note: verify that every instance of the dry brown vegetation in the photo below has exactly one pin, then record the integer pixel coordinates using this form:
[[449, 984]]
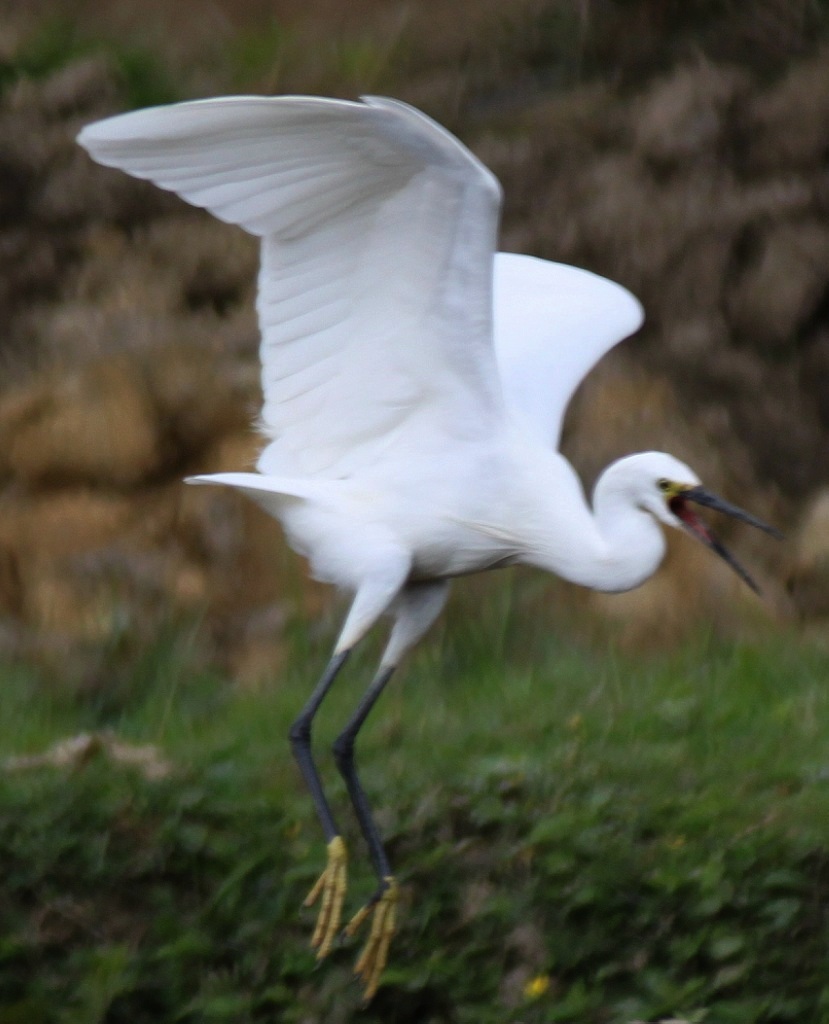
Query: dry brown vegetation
[[681, 149]]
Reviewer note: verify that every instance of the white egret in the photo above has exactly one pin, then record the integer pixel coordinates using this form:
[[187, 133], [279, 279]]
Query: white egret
[[414, 388]]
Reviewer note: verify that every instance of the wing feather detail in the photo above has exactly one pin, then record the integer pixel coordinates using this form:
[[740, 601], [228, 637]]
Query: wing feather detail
[[378, 231], [552, 324], [378, 292]]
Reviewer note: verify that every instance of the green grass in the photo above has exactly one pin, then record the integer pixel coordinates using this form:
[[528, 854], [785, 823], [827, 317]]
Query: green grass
[[58, 42], [645, 839]]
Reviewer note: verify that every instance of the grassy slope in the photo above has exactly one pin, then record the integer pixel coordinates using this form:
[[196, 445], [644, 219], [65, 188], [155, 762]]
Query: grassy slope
[[649, 839]]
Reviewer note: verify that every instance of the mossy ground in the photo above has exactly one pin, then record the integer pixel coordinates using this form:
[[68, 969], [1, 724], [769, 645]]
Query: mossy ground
[[580, 836]]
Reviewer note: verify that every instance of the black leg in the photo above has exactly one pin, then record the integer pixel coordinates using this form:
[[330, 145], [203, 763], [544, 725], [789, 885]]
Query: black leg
[[382, 907], [300, 736], [331, 885], [344, 755]]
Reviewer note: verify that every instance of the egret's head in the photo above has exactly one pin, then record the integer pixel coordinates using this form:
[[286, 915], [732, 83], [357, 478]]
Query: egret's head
[[669, 490]]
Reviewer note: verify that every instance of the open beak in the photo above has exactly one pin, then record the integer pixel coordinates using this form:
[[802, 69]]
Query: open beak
[[678, 504]]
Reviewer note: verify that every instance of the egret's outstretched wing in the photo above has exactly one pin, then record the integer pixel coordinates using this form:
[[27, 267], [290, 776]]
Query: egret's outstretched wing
[[375, 293], [553, 323]]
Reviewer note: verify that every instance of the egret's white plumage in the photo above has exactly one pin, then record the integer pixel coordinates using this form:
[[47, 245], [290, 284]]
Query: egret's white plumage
[[415, 382], [411, 433]]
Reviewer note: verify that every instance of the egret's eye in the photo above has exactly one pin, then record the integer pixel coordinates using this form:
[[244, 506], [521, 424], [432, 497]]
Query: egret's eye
[[663, 484]]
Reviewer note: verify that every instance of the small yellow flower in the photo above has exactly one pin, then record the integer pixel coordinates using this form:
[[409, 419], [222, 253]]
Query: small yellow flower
[[675, 842], [575, 722], [537, 986]]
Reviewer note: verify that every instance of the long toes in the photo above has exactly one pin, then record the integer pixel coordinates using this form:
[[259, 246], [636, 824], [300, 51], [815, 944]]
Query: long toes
[[374, 956], [330, 890], [329, 917]]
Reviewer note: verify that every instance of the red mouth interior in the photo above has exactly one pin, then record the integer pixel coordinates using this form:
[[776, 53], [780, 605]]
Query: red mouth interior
[[682, 510]]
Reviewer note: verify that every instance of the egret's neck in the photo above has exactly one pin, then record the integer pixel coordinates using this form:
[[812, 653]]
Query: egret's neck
[[635, 543], [614, 547]]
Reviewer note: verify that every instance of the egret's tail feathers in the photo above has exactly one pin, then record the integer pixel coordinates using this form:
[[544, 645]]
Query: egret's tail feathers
[[267, 491]]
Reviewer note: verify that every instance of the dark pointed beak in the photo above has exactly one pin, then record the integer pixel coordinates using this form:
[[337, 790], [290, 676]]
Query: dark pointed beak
[[694, 525], [703, 497]]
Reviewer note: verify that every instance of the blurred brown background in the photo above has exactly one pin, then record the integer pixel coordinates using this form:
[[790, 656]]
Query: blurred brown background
[[681, 148]]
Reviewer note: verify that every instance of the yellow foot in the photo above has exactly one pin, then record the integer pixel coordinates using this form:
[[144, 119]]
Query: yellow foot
[[383, 911], [331, 887]]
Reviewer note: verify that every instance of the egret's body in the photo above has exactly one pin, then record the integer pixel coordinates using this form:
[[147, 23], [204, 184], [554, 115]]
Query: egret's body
[[509, 503], [414, 385]]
